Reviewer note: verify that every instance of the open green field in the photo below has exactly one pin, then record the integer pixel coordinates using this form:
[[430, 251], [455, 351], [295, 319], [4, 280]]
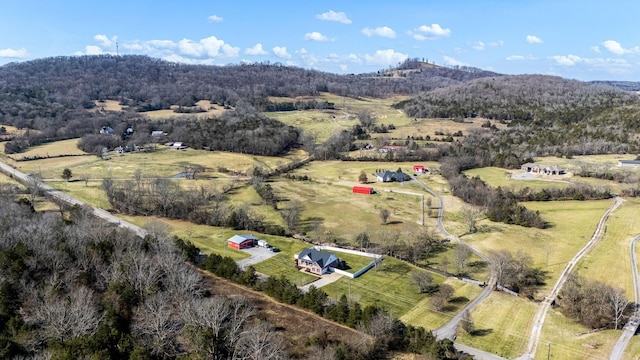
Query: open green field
[[570, 340], [502, 325], [353, 262], [633, 349], [572, 224], [163, 162], [495, 177], [389, 286], [62, 147], [597, 265], [423, 314]]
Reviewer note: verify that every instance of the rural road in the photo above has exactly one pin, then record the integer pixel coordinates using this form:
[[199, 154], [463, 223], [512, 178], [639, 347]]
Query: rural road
[[538, 320], [448, 330], [103, 214], [632, 325]]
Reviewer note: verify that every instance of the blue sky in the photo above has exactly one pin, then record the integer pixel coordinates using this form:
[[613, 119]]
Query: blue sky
[[584, 40]]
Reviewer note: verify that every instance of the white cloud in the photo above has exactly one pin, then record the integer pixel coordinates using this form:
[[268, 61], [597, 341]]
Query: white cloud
[[256, 50], [344, 67], [595, 49], [334, 16], [93, 50], [616, 48], [14, 53], [281, 52], [610, 65], [532, 39], [315, 36], [185, 60], [105, 41], [426, 32], [566, 60], [451, 61], [210, 46], [514, 57], [215, 18], [479, 46], [383, 31], [385, 57]]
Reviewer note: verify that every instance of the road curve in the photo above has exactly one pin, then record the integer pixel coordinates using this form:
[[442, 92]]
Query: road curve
[[538, 321], [448, 330], [632, 325]]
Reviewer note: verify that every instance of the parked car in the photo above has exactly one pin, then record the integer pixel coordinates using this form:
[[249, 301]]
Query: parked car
[[274, 249]]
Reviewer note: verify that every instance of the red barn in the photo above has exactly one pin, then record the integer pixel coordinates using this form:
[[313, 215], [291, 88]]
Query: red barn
[[362, 190], [239, 242], [419, 168]]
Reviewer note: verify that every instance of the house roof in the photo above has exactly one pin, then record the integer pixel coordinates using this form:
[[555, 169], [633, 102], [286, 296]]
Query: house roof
[[319, 257], [239, 239]]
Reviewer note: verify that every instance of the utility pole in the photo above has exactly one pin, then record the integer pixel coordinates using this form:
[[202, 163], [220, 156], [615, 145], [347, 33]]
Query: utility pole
[[549, 351], [423, 210]]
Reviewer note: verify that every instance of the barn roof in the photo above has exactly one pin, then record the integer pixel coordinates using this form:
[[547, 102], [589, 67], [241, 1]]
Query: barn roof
[[239, 239]]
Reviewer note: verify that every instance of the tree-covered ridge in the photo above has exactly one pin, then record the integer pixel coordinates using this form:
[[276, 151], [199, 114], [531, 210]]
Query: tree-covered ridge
[[520, 97]]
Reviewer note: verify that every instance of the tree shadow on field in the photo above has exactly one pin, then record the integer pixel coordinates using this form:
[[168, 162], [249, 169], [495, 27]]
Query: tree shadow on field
[[394, 222], [397, 268], [481, 332], [459, 300], [311, 223]]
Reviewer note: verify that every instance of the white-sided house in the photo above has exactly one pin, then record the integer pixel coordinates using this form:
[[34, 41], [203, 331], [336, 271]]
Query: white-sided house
[[628, 162], [542, 169], [315, 262]]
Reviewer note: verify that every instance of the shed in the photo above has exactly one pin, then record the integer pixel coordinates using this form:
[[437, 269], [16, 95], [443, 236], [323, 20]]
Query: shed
[[240, 242], [628, 162], [419, 168], [362, 190]]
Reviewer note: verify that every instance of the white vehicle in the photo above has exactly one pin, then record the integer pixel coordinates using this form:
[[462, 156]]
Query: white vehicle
[[263, 243]]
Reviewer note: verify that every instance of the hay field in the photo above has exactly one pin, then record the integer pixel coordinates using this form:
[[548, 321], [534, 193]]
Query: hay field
[[63, 147], [495, 177]]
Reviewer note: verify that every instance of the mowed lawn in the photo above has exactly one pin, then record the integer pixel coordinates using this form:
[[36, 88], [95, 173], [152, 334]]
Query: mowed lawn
[[502, 324], [495, 177], [389, 286], [423, 314]]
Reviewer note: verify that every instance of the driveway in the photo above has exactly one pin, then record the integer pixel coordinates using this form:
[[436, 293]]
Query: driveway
[[324, 280], [258, 254]]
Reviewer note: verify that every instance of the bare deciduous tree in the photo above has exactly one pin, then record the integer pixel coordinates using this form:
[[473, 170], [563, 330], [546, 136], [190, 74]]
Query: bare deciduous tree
[[423, 280], [461, 255], [260, 342], [470, 217], [384, 216], [155, 322]]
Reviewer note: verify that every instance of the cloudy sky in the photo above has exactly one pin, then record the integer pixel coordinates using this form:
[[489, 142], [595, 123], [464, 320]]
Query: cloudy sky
[[578, 39]]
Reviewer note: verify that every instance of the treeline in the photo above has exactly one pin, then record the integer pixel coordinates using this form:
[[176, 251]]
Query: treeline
[[388, 334], [166, 198], [594, 304], [268, 106], [78, 288]]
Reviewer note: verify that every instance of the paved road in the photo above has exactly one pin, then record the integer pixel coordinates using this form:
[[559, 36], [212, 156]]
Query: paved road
[[448, 330], [632, 325], [538, 320], [24, 178]]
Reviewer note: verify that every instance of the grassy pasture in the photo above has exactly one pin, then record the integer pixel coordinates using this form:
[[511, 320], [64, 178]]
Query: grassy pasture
[[622, 226], [423, 314], [164, 162], [572, 225], [495, 177], [502, 325], [570, 340]]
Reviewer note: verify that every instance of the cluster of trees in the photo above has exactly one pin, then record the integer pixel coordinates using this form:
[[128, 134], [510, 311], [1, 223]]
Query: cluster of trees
[[204, 205], [79, 288], [594, 304], [516, 273]]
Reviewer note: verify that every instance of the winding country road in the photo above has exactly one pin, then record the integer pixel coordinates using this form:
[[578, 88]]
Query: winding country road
[[448, 330], [632, 325], [538, 320]]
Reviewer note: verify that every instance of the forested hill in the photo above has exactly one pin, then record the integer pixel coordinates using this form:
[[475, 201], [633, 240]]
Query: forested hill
[[156, 84], [520, 97]]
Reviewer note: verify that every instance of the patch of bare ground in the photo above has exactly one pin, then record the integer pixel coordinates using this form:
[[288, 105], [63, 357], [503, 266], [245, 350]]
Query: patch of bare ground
[[294, 324]]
